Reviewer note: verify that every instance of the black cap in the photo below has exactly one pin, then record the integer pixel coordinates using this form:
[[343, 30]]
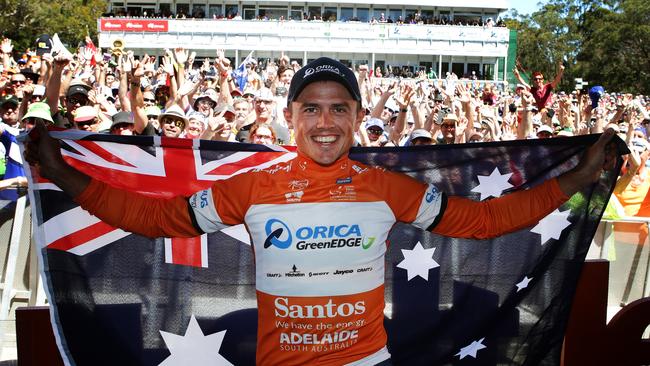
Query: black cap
[[76, 89], [323, 69], [9, 99], [43, 45]]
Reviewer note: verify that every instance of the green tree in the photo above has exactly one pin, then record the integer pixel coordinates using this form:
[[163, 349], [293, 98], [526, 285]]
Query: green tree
[[605, 42], [24, 20]]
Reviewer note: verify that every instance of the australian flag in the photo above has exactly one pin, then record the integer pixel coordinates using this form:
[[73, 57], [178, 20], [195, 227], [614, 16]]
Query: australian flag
[[240, 74], [121, 299]]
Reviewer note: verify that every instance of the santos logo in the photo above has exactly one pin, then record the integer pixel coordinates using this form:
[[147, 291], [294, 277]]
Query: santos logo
[[284, 309], [279, 235]]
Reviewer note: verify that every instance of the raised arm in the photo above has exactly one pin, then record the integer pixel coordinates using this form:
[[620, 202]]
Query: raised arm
[[481, 220], [152, 217]]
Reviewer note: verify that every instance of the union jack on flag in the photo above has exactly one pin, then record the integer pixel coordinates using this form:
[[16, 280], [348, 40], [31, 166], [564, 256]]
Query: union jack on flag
[[157, 166]]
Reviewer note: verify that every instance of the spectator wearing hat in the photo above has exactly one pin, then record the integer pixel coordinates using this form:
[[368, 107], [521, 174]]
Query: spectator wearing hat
[[372, 134], [86, 119], [173, 121], [35, 111], [448, 129], [9, 110], [76, 95], [196, 124], [544, 132], [421, 137], [153, 113], [122, 124], [206, 101]]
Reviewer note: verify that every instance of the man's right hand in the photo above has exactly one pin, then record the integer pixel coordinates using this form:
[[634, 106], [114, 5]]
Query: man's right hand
[[44, 152]]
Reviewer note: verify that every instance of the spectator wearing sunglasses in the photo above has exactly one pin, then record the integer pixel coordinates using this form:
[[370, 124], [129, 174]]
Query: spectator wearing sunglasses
[[173, 121], [86, 119], [541, 91], [149, 99], [75, 97]]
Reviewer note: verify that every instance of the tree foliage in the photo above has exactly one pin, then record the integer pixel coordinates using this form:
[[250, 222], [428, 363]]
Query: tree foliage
[[24, 20], [605, 42]]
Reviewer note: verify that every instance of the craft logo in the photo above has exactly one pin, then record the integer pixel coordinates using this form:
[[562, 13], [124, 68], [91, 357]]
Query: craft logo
[[280, 236]]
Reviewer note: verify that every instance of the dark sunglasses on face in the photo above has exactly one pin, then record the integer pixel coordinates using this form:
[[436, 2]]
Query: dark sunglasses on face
[[78, 100], [18, 81], [538, 78], [375, 131], [86, 123], [448, 125], [176, 122], [149, 100], [248, 95]]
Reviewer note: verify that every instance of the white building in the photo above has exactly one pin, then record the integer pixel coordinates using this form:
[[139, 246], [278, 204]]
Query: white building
[[342, 30]]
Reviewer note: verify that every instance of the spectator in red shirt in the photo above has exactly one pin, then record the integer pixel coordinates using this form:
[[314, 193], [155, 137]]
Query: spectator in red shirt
[[540, 91]]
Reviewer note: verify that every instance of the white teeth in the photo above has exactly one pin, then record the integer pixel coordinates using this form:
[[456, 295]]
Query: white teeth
[[325, 139]]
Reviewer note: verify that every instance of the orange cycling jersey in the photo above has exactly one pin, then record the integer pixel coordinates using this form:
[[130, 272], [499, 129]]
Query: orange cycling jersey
[[319, 239]]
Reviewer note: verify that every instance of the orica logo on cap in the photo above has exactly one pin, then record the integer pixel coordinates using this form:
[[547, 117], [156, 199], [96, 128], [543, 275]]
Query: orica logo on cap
[[321, 68]]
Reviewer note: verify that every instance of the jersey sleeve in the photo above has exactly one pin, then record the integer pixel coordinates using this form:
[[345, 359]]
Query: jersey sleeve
[[412, 201], [465, 218], [136, 213], [225, 203]]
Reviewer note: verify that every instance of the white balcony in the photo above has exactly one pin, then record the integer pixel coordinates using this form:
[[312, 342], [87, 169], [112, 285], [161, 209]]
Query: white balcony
[[294, 36]]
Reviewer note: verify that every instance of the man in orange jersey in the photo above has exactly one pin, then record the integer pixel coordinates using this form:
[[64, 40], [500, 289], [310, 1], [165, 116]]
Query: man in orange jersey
[[320, 211]]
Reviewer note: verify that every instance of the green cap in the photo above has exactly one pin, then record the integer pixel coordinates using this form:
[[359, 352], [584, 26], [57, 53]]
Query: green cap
[[152, 111], [39, 110]]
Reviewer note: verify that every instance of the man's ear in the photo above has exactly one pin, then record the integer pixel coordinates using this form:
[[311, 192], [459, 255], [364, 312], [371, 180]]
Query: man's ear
[[287, 116]]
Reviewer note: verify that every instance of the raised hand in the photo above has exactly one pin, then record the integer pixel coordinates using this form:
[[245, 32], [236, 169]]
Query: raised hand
[[6, 46], [181, 55]]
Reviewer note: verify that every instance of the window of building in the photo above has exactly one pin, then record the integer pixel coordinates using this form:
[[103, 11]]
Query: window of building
[[165, 10], [362, 14], [395, 14], [488, 72], [329, 14], [198, 11], [231, 10], [314, 13], [474, 67], [272, 12], [458, 68], [426, 15], [296, 12], [411, 14], [182, 10], [249, 12], [377, 13], [347, 14], [214, 11]]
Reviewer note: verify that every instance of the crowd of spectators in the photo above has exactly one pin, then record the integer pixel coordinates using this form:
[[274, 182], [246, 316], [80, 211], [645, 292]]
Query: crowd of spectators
[[211, 99], [414, 18]]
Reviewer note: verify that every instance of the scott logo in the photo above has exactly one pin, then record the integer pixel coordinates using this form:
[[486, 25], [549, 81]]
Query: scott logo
[[274, 229]]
